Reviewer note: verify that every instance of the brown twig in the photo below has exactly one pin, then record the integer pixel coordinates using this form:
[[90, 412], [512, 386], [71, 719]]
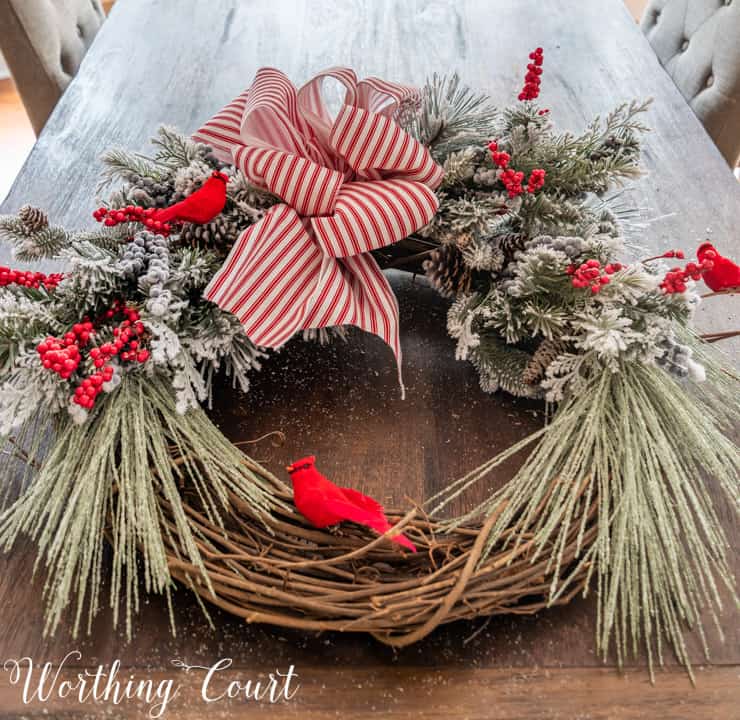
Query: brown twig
[[716, 337], [283, 572], [408, 259], [22, 455]]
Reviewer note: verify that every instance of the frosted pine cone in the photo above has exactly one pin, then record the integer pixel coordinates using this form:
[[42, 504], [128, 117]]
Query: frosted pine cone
[[543, 356], [510, 243], [148, 192], [33, 218], [219, 234], [447, 271], [189, 179]]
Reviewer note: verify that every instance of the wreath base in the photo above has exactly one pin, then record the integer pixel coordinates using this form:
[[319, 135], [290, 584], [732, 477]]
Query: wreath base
[[281, 571]]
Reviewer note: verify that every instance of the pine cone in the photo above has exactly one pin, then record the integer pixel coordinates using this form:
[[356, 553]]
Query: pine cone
[[447, 271], [536, 368], [510, 243], [219, 234], [149, 192], [33, 218], [615, 144]]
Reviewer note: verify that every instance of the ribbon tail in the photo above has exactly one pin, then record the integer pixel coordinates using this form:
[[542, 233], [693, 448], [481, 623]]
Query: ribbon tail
[[277, 281], [377, 306]]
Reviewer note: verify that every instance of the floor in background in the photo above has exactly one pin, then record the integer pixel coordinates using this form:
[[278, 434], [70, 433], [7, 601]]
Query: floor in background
[[636, 7], [16, 135]]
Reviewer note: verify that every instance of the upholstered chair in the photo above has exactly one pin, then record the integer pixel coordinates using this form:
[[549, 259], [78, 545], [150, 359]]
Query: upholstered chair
[[43, 42], [698, 43]]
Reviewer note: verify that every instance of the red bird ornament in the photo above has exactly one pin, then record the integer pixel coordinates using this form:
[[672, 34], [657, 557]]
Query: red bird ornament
[[724, 274], [323, 503], [201, 206]]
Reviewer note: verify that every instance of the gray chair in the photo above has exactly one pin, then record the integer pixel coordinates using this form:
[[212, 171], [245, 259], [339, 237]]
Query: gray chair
[[698, 43], [43, 42]]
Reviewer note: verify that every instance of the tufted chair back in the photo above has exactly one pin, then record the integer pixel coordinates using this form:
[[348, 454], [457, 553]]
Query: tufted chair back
[[43, 42], [698, 43]]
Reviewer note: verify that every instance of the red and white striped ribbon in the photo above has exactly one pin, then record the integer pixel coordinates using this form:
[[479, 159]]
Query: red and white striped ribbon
[[348, 186]]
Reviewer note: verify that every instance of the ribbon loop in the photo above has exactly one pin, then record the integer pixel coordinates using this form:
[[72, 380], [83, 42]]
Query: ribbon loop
[[349, 186]]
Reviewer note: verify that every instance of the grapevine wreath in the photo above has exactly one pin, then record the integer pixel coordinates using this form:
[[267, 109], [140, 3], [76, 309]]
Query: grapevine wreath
[[276, 220]]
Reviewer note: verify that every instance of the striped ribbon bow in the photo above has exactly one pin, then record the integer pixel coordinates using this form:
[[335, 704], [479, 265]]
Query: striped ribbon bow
[[348, 186]]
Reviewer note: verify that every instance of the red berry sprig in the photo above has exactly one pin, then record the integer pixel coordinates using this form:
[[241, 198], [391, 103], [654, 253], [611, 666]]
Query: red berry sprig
[[500, 158], [536, 180], [62, 356], [667, 254], [87, 392], [133, 214], [531, 89], [512, 180], [591, 274], [126, 347], [676, 278], [127, 343], [61, 359], [26, 278]]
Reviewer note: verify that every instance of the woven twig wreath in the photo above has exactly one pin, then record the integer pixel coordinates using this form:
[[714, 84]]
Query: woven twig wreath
[[283, 572]]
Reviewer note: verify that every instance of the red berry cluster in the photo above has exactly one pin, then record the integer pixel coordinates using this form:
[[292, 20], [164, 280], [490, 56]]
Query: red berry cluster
[[127, 342], [536, 180], [531, 89], [591, 274], [511, 178], [500, 158], [87, 392], [62, 356], [135, 214], [675, 279], [28, 279]]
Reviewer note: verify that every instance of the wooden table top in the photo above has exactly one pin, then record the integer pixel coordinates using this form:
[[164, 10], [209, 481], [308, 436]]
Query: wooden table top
[[177, 62]]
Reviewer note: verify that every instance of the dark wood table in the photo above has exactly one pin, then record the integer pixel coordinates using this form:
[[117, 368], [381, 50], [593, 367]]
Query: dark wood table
[[176, 62]]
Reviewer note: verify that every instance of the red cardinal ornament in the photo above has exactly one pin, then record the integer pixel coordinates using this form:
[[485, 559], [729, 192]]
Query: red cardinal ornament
[[201, 206], [724, 274], [324, 504]]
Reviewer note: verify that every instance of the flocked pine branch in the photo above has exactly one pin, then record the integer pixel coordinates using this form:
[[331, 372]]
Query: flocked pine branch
[[452, 116], [110, 472], [32, 243], [635, 444], [175, 149], [126, 166]]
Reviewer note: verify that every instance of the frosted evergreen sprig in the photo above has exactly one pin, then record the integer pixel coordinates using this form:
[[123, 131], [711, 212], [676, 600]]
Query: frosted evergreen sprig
[[633, 445], [113, 469], [452, 116], [30, 244]]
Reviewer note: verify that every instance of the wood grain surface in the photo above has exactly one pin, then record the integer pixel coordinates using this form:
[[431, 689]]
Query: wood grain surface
[[177, 62]]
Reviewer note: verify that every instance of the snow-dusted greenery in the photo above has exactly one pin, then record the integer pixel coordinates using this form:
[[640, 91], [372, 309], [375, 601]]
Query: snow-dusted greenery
[[109, 463], [191, 341], [517, 249], [630, 433], [630, 319]]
